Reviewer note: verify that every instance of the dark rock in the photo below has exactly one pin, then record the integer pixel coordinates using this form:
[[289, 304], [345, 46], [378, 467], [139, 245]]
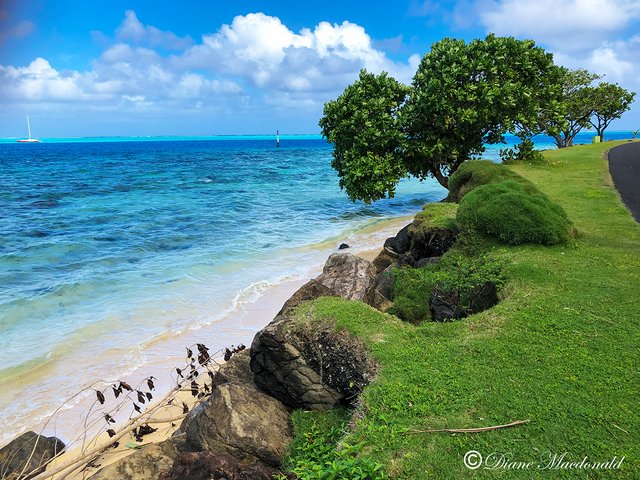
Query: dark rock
[[20, 453], [149, 463], [430, 242], [384, 260], [401, 243], [236, 370], [446, 306], [243, 421], [309, 291], [384, 283], [423, 262], [343, 246], [216, 466], [310, 365], [348, 276], [195, 411]]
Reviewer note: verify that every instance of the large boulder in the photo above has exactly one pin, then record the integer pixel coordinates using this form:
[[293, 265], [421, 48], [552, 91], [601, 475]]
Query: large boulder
[[348, 276], [310, 365], [401, 243], [217, 466], [244, 422], [149, 463], [27, 453], [309, 291]]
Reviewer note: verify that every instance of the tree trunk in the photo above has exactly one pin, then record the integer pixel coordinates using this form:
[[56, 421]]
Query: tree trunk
[[560, 141], [442, 179]]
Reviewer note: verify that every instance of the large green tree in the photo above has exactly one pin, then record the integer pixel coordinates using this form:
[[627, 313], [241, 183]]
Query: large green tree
[[462, 96], [577, 106], [609, 101], [364, 126]]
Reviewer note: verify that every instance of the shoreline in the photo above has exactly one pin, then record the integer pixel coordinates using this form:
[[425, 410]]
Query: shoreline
[[238, 325]]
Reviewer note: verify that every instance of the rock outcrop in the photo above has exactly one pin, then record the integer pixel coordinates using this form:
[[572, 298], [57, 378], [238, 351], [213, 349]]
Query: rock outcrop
[[244, 422], [348, 276], [216, 466], [310, 365], [309, 291], [416, 242], [27, 453], [150, 463]]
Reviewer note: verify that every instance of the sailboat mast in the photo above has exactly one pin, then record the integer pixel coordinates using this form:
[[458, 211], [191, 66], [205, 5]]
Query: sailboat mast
[[28, 127]]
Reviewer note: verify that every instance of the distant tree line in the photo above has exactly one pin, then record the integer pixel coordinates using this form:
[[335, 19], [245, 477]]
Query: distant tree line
[[463, 96]]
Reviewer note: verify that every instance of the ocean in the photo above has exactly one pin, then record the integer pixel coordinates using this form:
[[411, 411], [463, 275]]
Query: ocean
[[115, 253]]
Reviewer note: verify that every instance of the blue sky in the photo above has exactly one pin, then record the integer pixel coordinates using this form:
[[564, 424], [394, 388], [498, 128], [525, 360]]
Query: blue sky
[[85, 68]]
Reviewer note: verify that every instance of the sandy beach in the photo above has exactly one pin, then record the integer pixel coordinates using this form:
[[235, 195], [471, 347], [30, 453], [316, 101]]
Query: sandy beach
[[253, 312]]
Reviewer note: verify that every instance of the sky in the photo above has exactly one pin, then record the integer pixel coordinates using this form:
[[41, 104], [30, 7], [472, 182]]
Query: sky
[[116, 67]]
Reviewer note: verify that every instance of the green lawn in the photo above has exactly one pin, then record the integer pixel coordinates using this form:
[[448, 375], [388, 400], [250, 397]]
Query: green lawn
[[561, 350]]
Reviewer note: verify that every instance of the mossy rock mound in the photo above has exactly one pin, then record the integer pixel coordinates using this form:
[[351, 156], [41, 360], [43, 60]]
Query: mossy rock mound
[[475, 173], [508, 212], [309, 363], [454, 288], [432, 233]]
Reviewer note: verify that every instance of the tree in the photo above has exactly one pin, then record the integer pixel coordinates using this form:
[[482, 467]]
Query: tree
[[462, 96], [610, 101], [578, 106], [364, 126]]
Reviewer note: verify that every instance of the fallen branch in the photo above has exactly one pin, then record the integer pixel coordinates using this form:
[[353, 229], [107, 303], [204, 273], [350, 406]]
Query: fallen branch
[[469, 430]]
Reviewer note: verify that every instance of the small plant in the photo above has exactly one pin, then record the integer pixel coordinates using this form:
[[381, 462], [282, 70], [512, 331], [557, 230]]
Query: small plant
[[523, 152], [318, 453], [465, 285], [410, 293], [636, 133]]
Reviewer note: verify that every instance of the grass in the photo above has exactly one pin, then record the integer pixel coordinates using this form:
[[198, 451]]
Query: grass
[[507, 212], [561, 350], [475, 173]]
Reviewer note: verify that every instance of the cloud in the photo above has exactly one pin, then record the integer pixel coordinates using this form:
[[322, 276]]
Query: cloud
[[132, 30], [19, 30], [268, 55], [253, 62], [572, 25]]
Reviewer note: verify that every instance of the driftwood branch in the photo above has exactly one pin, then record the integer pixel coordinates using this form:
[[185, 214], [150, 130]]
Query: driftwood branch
[[469, 430]]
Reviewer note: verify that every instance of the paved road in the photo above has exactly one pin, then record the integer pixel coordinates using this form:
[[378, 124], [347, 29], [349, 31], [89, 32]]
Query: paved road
[[624, 166]]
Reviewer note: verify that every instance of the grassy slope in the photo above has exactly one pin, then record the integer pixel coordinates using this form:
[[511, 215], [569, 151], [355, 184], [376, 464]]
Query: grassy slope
[[562, 350]]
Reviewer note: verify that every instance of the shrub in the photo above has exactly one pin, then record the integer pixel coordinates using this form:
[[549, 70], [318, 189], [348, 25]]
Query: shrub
[[410, 293], [475, 173], [509, 213], [463, 286]]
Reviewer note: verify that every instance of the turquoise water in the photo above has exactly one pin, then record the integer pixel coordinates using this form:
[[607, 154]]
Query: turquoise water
[[112, 246]]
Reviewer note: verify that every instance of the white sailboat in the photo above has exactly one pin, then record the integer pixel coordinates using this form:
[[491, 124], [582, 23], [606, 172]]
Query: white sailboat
[[28, 140]]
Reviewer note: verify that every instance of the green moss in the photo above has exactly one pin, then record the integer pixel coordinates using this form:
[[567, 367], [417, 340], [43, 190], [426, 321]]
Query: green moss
[[507, 212], [410, 293], [439, 214], [475, 173]]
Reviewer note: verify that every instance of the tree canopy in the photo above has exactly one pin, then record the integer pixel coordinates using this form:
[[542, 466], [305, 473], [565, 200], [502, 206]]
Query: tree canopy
[[578, 106], [610, 101], [463, 95]]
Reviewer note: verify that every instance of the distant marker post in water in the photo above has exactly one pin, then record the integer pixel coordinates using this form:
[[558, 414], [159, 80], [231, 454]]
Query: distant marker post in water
[[277, 138]]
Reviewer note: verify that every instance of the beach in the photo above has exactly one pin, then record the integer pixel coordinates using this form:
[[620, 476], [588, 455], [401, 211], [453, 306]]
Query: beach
[[236, 328]]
